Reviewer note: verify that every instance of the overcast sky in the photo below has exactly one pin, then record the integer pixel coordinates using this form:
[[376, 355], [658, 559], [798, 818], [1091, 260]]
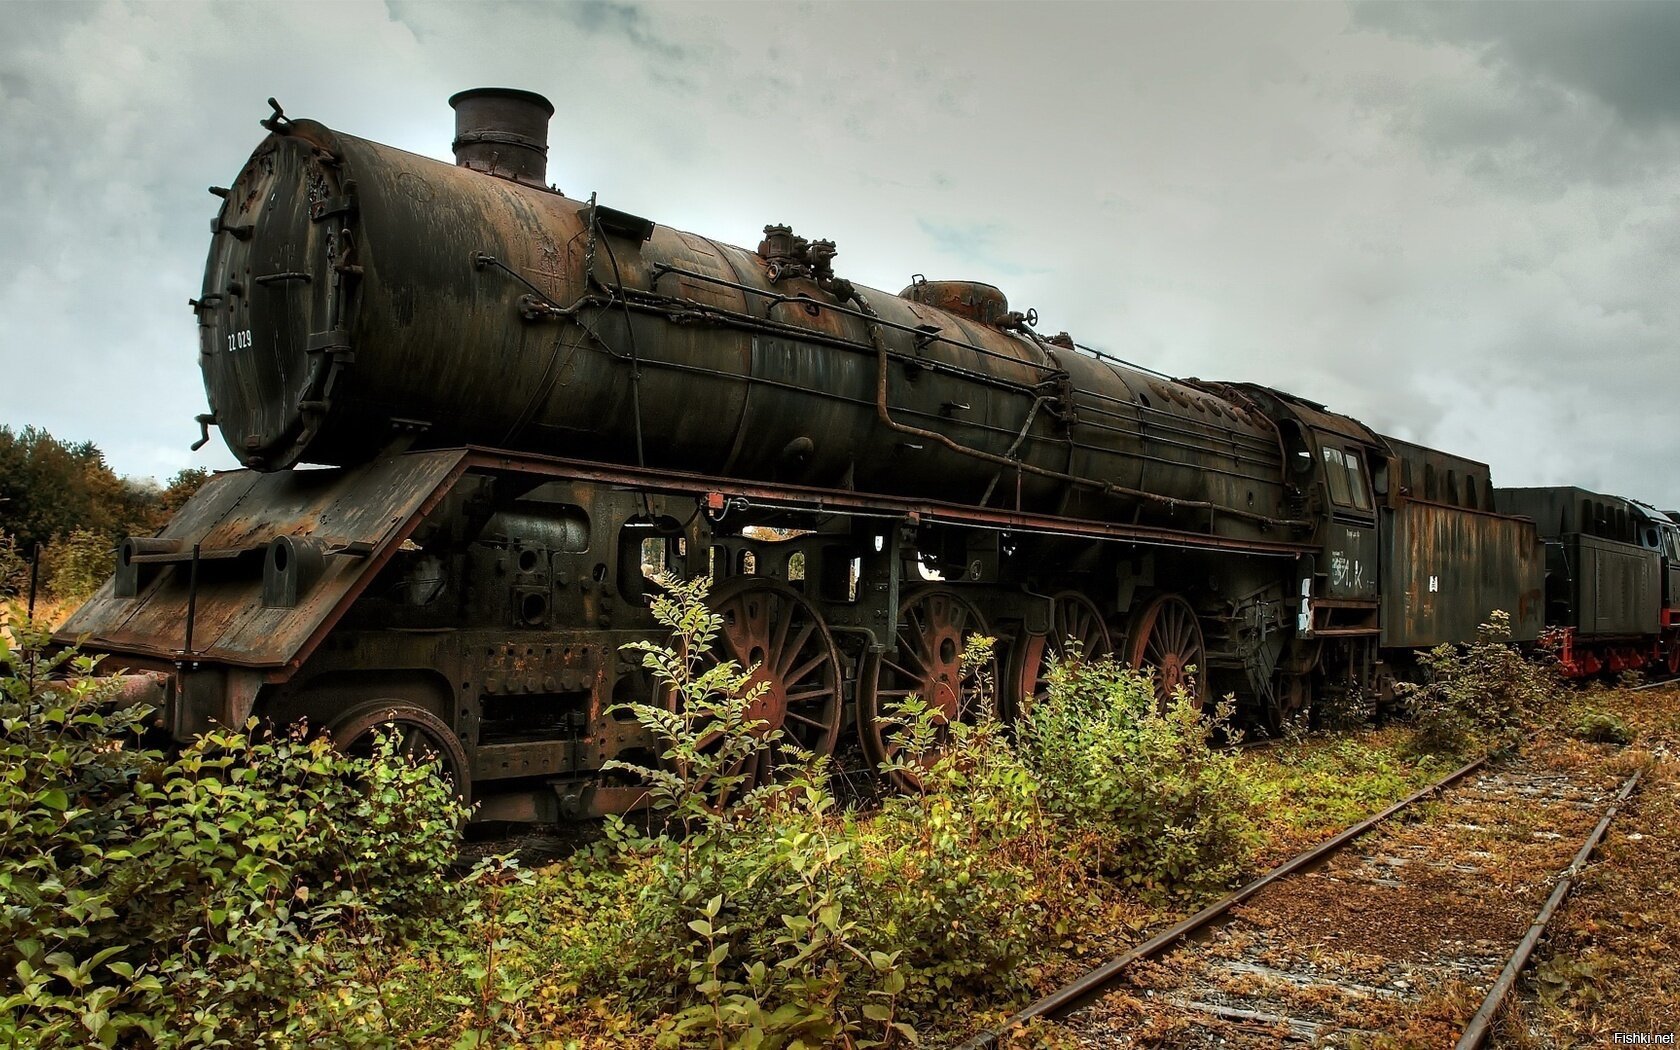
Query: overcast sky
[[1458, 224]]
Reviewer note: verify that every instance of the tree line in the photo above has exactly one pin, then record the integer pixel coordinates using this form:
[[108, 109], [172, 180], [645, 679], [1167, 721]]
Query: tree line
[[62, 497]]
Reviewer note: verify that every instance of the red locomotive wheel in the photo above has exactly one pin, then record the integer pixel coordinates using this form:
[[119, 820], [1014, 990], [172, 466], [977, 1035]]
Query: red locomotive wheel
[[1167, 637], [934, 623], [420, 735], [1076, 627], [771, 625]]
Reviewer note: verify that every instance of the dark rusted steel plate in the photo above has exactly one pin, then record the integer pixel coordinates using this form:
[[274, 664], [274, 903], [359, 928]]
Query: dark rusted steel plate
[[363, 512], [1616, 587], [1446, 569]]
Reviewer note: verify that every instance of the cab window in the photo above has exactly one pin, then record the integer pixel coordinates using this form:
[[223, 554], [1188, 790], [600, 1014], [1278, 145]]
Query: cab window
[[1335, 473], [1346, 479], [1356, 481]]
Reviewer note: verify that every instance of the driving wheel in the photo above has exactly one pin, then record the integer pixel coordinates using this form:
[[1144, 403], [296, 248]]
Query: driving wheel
[[1076, 627], [769, 624], [1167, 637], [934, 623], [421, 736]]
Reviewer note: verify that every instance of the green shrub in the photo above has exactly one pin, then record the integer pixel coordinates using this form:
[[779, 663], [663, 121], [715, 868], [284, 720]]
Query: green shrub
[[1602, 727], [74, 565], [779, 921], [14, 568], [1484, 693], [1170, 812], [190, 901]]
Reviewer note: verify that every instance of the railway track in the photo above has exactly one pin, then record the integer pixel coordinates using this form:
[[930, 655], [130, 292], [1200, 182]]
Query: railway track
[[1411, 927]]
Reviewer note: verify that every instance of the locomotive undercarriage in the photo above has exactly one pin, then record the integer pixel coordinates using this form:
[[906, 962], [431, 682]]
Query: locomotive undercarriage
[[493, 637]]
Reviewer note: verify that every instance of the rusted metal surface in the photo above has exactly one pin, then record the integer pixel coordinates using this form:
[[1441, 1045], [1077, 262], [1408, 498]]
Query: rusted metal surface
[[502, 131], [355, 518], [1614, 588], [1564, 510], [974, 300], [809, 498], [442, 307], [1446, 569], [1440, 477], [1605, 580]]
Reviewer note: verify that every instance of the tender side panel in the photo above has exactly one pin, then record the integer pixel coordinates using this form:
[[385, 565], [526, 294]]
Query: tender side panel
[[1446, 569], [354, 516], [1618, 587]]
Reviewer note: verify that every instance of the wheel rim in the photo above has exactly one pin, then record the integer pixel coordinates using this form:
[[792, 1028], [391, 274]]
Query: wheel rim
[[415, 740], [1168, 639], [934, 624], [1073, 618], [770, 624]]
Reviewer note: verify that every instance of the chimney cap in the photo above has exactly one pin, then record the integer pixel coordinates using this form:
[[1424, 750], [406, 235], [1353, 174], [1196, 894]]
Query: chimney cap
[[502, 132], [500, 92]]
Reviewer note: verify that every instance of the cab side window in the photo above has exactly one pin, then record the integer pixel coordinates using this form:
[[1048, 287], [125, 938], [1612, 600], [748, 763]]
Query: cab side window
[[1356, 480], [1346, 478], [1335, 473]]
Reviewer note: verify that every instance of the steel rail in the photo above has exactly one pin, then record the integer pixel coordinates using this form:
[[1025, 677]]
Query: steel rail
[[1093, 985], [1481, 1025]]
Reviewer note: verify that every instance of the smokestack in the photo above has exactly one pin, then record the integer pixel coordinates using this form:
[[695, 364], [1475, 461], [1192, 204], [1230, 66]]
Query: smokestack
[[503, 131]]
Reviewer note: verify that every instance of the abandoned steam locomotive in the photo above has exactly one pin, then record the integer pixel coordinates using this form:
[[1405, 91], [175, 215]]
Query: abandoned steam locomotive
[[521, 407]]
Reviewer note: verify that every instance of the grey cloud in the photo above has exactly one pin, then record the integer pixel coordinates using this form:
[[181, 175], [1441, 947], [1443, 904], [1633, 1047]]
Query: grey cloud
[[1435, 221], [1620, 52]]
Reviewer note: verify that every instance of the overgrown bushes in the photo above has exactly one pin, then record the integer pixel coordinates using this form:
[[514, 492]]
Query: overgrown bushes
[[193, 900], [267, 891], [1486, 692], [783, 921], [1165, 810], [779, 920]]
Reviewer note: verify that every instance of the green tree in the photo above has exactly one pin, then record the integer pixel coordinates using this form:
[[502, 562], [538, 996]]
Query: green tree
[[50, 488], [64, 496], [182, 487], [77, 563]]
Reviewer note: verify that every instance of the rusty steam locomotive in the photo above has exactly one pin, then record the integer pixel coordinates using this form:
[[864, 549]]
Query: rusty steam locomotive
[[519, 407]]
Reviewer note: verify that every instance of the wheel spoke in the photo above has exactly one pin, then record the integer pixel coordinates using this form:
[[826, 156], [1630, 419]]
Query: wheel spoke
[[1173, 631], [910, 645], [795, 716], [804, 669], [779, 634], [793, 652], [906, 672]]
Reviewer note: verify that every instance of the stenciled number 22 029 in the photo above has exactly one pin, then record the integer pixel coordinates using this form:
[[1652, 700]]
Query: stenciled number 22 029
[[239, 340]]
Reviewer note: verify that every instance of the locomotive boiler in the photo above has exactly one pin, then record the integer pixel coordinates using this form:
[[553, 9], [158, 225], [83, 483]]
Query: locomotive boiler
[[358, 297], [478, 417]]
